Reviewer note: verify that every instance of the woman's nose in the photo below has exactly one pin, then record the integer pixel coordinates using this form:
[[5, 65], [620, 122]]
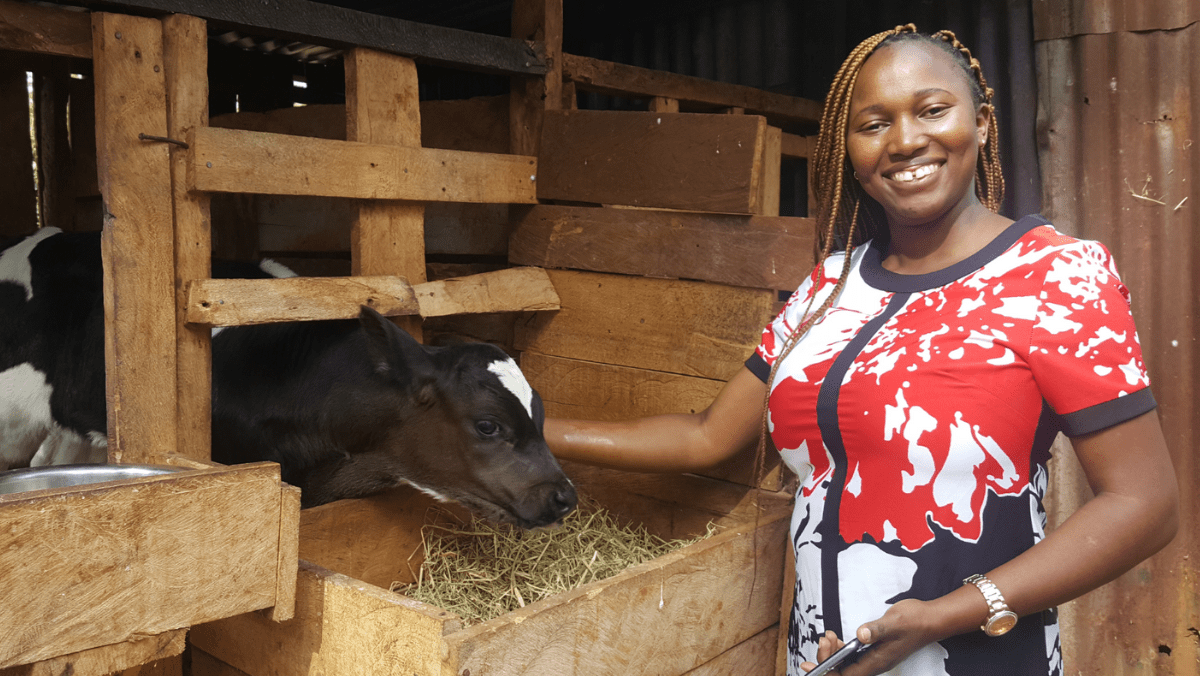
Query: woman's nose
[[906, 137]]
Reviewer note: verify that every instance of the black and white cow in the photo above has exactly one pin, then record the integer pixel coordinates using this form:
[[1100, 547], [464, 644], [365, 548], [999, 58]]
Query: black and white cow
[[347, 408]]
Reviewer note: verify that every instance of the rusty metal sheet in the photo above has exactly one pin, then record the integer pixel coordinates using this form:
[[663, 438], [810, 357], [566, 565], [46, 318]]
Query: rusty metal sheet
[[1054, 19], [1117, 146]]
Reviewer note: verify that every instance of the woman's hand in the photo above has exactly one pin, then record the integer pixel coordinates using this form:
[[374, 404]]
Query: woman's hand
[[828, 645], [905, 628]]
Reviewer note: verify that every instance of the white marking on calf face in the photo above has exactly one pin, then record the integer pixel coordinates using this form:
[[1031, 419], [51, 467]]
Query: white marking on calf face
[[514, 381], [275, 268], [14, 262]]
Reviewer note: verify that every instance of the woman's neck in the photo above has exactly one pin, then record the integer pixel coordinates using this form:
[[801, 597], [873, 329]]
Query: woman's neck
[[933, 246]]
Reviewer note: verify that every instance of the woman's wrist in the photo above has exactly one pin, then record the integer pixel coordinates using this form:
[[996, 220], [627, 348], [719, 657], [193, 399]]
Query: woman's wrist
[[960, 612]]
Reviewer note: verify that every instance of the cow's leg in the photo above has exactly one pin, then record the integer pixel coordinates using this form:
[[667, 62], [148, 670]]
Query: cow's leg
[[25, 420], [67, 447]]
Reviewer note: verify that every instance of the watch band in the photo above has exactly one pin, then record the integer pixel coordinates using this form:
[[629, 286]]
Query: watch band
[[1000, 619]]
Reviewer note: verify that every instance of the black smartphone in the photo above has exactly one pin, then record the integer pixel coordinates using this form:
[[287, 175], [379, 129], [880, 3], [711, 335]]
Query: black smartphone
[[845, 656]]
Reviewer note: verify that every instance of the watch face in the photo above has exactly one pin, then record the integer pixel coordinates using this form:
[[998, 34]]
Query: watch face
[[1001, 623]]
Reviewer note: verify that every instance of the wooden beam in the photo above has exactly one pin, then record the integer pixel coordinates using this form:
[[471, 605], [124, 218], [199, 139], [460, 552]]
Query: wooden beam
[[676, 161], [689, 328], [107, 659], [511, 290], [94, 566], [755, 655], [606, 77], [185, 45], [332, 26], [386, 238], [240, 302], [757, 251], [539, 21], [45, 30], [768, 203], [138, 242], [229, 160], [797, 146], [663, 104]]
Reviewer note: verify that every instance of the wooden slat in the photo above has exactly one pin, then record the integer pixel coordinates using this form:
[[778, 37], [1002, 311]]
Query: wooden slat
[[619, 79], [386, 238], [239, 302], [681, 161], [571, 388], [759, 252], [289, 552], [185, 46], [94, 566], [138, 242], [342, 626], [45, 30], [511, 290], [768, 204], [107, 659], [536, 21], [753, 657], [322, 24], [689, 328], [797, 146], [276, 164], [663, 104], [623, 624]]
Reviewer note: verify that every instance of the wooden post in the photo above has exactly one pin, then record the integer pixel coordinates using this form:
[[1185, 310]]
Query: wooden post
[[138, 242], [56, 192], [537, 21], [387, 238], [768, 203], [663, 104], [185, 45]]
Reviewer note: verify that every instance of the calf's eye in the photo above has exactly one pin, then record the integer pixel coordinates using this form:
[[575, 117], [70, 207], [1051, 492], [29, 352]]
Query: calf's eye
[[487, 428]]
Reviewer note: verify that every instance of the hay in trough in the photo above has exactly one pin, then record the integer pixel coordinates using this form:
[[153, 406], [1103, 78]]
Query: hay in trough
[[478, 570]]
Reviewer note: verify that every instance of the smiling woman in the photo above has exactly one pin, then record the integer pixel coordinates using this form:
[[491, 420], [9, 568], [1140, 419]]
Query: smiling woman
[[916, 381]]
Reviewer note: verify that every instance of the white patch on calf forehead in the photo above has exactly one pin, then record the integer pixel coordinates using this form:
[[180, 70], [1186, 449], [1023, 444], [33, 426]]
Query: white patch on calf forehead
[[514, 381], [275, 268], [14, 262]]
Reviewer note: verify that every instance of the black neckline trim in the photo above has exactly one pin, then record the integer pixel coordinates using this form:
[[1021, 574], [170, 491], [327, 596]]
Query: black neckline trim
[[883, 279]]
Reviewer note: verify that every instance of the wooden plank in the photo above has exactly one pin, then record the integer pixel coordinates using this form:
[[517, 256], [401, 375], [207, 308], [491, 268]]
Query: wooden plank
[[227, 160], [753, 657], [796, 146], [680, 161], [239, 302], [605, 77], [138, 251], [322, 24], [511, 290], [689, 328], [185, 47], [145, 556], [758, 251], [386, 238], [768, 204], [376, 540], [537, 21], [621, 625], [45, 30], [663, 104], [342, 626], [289, 552], [56, 189], [18, 197], [586, 390], [107, 659]]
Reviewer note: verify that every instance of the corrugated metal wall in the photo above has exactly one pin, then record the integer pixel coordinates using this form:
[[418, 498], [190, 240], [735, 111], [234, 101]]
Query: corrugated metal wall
[[1117, 148]]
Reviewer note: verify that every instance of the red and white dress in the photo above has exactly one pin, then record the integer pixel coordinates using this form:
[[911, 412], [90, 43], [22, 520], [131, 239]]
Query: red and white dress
[[920, 411]]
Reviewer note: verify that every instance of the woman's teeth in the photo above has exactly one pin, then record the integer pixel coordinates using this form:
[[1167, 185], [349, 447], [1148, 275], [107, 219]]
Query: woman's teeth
[[913, 174]]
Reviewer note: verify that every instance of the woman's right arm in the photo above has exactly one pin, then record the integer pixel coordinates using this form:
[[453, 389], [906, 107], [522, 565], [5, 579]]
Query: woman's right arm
[[679, 442]]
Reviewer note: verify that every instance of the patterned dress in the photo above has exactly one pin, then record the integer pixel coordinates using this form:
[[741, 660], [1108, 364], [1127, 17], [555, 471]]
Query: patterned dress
[[919, 413]]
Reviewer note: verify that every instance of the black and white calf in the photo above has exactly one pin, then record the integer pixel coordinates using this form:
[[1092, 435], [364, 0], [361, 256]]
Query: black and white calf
[[347, 408]]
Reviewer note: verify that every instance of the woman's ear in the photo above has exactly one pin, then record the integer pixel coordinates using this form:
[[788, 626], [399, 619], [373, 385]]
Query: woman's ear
[[983, 122]]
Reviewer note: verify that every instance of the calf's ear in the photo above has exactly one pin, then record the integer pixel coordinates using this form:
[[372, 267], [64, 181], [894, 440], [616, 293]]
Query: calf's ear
[[391, 350]]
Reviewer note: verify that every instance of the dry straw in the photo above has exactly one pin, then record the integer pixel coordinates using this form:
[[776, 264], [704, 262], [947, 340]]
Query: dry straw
[[479, 570]]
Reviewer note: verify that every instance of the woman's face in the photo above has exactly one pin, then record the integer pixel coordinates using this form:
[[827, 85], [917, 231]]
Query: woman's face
[[914, 133]]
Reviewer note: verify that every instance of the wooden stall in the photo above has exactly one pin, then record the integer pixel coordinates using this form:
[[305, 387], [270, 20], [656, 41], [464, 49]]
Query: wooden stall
[[629, 258]]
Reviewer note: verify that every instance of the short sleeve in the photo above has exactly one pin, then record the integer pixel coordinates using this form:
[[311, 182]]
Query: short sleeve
[[1084, 350], [775, 334]]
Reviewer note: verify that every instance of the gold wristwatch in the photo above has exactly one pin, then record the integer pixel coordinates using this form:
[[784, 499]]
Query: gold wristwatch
[[1000, 619]]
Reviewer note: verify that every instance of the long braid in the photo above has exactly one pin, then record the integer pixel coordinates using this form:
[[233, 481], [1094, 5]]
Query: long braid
[[841, 202]]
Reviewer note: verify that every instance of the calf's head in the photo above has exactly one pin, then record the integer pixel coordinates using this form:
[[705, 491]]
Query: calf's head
[[472, 432]]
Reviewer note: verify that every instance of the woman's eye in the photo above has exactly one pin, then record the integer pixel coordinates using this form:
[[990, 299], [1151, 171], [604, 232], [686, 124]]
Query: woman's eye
[[934, 111], [487, 428]]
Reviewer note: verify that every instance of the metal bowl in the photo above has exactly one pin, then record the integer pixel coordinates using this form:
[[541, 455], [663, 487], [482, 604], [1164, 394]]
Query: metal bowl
[[62, 476]]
